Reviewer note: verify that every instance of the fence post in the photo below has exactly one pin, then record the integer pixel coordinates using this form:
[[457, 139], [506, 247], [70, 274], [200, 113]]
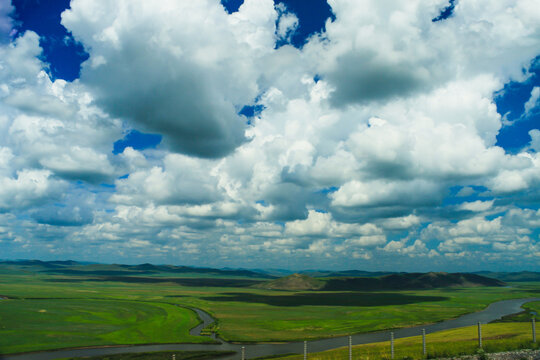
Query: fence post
[[392, 344], [424, 350], [305, 350], [533, 329], [173, 356], [479, 335], [350, 347], [243, 353]]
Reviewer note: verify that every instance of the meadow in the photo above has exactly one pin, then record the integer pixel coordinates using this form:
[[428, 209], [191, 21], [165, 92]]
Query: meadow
[[47, 310], [497, 337], [161, 355]]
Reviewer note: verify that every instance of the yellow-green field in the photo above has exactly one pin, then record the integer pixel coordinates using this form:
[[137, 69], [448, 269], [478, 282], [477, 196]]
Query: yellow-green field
[[46, 311], [496, 338]]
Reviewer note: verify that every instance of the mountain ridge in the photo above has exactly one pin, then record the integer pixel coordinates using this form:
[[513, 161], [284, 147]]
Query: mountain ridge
[[401, 281]]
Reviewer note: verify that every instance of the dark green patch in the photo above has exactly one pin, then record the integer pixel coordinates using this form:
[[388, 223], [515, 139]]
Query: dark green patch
[[198, 282], [410, 281], [328, 299]]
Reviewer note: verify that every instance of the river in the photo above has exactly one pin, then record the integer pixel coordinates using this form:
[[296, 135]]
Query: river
[[492, 312]]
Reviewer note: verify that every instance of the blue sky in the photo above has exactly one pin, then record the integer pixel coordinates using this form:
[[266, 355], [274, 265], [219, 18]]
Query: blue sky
[[281, 134]]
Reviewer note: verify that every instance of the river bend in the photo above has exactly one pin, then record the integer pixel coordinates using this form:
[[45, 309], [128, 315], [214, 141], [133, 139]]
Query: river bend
[[493, 312]]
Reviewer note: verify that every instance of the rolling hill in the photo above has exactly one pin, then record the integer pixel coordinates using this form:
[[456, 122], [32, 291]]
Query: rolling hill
[[293, 282], [521, 276], [401, 281], [92, 269]]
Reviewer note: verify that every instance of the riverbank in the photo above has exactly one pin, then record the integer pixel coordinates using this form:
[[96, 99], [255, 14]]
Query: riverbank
[[492, 312]]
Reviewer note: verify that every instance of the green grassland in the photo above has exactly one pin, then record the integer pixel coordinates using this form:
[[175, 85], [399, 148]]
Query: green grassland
[[160, 355], [496, 337], [260, 316], [112, 309], [39, 324]]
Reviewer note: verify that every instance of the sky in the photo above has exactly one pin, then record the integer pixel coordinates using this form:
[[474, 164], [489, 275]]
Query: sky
[[339, 134]]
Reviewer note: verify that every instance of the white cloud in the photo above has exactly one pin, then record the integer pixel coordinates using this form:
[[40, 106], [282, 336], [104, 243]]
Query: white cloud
[[322, 224], [535, 139], [181, 180], [476, 206], [359, 162], [509, 181], [179, 68], [367, 241], [28, 188], [51, 125], [316, 224], [401, 223], [533, 100], [287, 23], [383, 193]]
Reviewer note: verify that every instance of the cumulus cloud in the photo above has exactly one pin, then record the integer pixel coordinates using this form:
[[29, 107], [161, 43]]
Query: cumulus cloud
[[51, 125], [322, 224], [514, 180], [535, 139], [181, 180], [380, 50], [287, 23], [373, 144], [381, 193], [182, 69], [476, 206], [533, 100], [401, 223], [28, 188], [365, 60]]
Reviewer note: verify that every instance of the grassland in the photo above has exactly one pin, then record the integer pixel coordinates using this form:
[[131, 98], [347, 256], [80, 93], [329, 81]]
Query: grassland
[[57, 323], [256, 315], [93, 310], [160, 355], [444, 344]]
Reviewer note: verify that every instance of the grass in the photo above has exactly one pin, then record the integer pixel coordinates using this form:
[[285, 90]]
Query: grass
[[159, 355], [28, 325], [450, 343], [256, 315], [81, 311]]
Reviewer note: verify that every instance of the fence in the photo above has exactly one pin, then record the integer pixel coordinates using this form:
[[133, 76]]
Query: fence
[[489, 338]]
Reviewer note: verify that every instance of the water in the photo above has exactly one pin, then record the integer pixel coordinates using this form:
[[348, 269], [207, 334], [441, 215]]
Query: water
[[492, 312]]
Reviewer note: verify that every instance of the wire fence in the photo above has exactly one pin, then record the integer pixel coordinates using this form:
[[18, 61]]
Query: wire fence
[[479, 340], [489, 338]]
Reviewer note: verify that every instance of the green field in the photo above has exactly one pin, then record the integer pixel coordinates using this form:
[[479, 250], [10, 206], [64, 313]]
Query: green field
[[46, 311], [161, 355], [497, 337], [52, 323]]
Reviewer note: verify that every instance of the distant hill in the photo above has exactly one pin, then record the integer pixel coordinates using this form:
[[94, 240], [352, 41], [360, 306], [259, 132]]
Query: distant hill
[[324, 273], [274, 272], [520, 276], [85, 269], [293, 282], [401, 281], [352, 273], [305, 280], [406, 281]]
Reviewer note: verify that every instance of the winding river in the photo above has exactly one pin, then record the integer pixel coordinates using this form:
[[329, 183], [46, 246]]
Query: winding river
[[492, 312]]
